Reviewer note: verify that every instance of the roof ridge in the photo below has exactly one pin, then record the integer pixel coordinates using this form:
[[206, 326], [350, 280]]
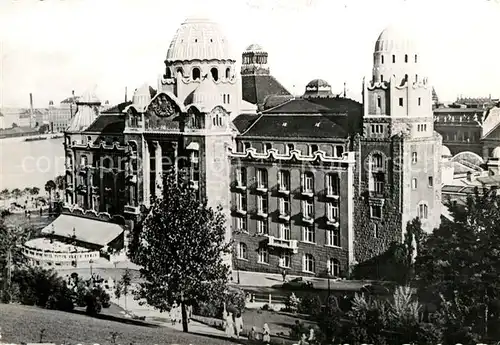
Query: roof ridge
[[277, 106], [253, 124]]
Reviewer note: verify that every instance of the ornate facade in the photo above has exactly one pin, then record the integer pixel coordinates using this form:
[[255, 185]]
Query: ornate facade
[[312, 184]]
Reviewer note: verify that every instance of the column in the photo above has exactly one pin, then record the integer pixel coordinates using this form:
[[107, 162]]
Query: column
[[175, 148], [158, 168], [145, 173]]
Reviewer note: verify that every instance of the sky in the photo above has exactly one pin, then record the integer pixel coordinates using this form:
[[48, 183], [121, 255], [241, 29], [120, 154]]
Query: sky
[[51, 47]]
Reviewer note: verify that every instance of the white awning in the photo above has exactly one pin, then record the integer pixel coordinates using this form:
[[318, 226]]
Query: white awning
[[84, 229], [193, 146]]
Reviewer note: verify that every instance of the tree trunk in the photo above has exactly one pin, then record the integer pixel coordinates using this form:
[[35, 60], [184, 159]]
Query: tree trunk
[[184, 314], [485, 319]]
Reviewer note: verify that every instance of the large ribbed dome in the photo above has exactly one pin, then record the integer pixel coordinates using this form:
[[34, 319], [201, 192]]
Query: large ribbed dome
[[198, 39], [396, 39]]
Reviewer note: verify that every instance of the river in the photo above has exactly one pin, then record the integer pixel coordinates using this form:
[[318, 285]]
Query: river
[[30, 163]]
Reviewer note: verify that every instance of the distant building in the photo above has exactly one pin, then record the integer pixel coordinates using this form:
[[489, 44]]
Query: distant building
[[2, 121]]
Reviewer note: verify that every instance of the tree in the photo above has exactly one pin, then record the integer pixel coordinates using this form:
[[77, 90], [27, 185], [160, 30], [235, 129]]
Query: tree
[[124, 285], [35, 191], [16, 193], [4, 194], [459, 264], [60, 182], [49, 187], [181, 247]]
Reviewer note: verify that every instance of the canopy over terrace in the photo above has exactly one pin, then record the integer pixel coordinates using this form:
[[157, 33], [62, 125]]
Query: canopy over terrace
[[92, 231]]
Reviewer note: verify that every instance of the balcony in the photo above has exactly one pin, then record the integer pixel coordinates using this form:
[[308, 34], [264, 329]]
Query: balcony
[[262, 214], [307, 192], [332, 221], [284, 216], [332, 194], [261, 189], [240, 186], [287, 244], [135, 210], [69, 167], [132, 179], [240, 211], [307, 219], [283, 190]]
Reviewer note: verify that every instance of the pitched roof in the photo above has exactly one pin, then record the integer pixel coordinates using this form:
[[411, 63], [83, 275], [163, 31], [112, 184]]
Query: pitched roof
[[243, 121], [108, 123], [85, 229], [257, 87], [117, 109], [296, 126]]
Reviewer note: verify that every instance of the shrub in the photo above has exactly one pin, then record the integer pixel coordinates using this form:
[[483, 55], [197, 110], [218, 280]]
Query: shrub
[[298, 329], [235, 299], [310, 304], [266, 307], [207, 309], [292, 303]]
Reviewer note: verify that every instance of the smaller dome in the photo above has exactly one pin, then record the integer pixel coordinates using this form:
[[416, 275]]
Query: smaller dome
[[142, 97], [254, 48], [396, 38], [445, 151], [496, 152], [317, 83]]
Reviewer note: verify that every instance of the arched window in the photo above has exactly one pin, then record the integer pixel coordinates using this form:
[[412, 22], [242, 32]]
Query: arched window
[[393, 58], [242, 251], [224, 98], [215, 73], [422, 211], [406, 58], [214, 121], [381, 78], [416, 78], [133, 147], [334, 267], [415, 58], [196, 73], [228, 73], [308, 264], [219, 120], [168, 73], [377, 161], [406, 77], [227, 97], [381, 58], [107, 162], [179, 70]]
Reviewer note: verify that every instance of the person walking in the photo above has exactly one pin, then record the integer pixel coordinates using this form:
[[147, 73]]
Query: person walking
[[238, 324], [266, 334], [229, 325], [173, 313]]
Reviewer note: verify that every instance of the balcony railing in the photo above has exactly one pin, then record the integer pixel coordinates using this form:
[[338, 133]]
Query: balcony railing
[[332, 221], [240, 186], [283, 190], [332, 194], [307, 192], [240, 211], [307, 219], [284, 216], [281, 243], [262, 213], [131, 209], [262, 188]]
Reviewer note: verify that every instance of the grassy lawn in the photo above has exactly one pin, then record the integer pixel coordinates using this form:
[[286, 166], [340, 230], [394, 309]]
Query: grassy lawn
[[278, 323], [24, 324]]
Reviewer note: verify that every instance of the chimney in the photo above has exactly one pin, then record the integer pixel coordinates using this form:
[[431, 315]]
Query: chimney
[[71, 103], [345, 90], [125, 94]]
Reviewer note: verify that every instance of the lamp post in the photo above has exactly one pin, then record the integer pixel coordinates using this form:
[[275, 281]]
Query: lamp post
[[328, 277]]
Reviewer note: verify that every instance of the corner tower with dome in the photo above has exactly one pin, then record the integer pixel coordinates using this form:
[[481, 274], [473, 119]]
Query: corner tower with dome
[[399, 153]]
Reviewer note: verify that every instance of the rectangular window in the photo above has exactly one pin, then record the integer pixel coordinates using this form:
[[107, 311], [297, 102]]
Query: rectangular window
[[379, 102], [246, 146], [332, 184], [263, 256], [307, 209], [262, 178], [308, 183], [400, 101], [419, 101], [262, 227], [289, 148], [241, 177], [313, 149], [431, 182], [284, 180], [285, 260], [379, 183], [414, 157], [308, 263], [339, 151], [376, 211], [332, 211], [284, 205], [242, 224], [413, 183], [267, 147], [262, 204], [284, 232], [241, 199], [333, 237], [308, 234]]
